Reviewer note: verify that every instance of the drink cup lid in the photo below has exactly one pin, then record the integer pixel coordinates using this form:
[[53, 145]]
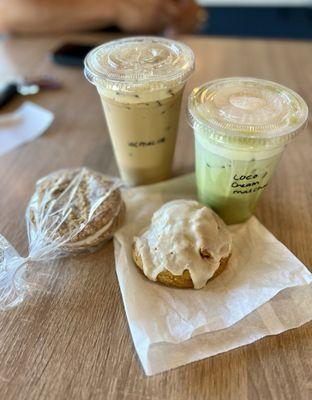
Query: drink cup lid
[[247, 109], [139, 62]]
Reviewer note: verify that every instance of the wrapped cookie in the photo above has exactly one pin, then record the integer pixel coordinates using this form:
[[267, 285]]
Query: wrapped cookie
[[71, 211]]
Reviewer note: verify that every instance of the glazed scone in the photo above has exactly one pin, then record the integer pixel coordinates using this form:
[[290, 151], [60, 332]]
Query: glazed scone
[[185, 245], [76, 209]]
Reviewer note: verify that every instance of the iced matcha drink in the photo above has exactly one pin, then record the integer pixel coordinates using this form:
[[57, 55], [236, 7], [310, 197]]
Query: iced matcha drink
[[140, 82], [241, 127]]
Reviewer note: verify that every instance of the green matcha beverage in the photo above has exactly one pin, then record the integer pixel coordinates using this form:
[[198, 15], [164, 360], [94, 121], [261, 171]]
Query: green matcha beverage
[[140, 81], [241, 128]]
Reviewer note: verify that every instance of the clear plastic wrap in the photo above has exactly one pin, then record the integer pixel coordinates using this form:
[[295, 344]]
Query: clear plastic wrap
[[71, 211]]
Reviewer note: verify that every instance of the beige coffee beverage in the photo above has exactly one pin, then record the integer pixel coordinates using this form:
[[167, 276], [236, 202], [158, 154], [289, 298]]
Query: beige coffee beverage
[[141, 81]]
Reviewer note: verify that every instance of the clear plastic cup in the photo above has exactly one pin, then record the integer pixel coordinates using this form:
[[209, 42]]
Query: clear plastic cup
[[140, 81], [241, 128]]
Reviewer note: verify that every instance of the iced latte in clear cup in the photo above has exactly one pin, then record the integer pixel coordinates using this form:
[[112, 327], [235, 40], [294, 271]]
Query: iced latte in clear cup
[[241, 128], [140, 81]]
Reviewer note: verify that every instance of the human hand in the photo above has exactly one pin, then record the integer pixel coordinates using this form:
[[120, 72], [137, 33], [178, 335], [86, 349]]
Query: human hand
[[189, 19], [154, 16]]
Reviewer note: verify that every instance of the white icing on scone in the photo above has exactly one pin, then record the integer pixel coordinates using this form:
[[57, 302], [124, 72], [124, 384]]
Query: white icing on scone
[[184, 234]]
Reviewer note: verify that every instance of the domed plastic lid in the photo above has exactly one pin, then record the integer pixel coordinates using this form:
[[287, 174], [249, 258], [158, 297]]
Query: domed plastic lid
[[247, 108], [139, 61]]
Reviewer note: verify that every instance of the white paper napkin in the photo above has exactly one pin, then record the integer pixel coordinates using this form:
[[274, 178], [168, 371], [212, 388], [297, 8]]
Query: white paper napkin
[[263, 291], [23, 125]]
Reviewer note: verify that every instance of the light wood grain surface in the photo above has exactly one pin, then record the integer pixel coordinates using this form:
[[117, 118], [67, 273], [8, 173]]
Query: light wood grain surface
[[73, 341]]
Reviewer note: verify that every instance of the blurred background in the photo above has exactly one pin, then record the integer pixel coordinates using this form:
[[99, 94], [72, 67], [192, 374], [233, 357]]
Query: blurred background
[[259, 18], [290, 19]]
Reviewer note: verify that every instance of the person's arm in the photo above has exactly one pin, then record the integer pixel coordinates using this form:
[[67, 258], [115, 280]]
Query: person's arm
[[52, 16], [34, 16]]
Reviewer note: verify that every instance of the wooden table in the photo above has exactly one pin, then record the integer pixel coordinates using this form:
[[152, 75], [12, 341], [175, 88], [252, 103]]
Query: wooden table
[[73, 341]]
